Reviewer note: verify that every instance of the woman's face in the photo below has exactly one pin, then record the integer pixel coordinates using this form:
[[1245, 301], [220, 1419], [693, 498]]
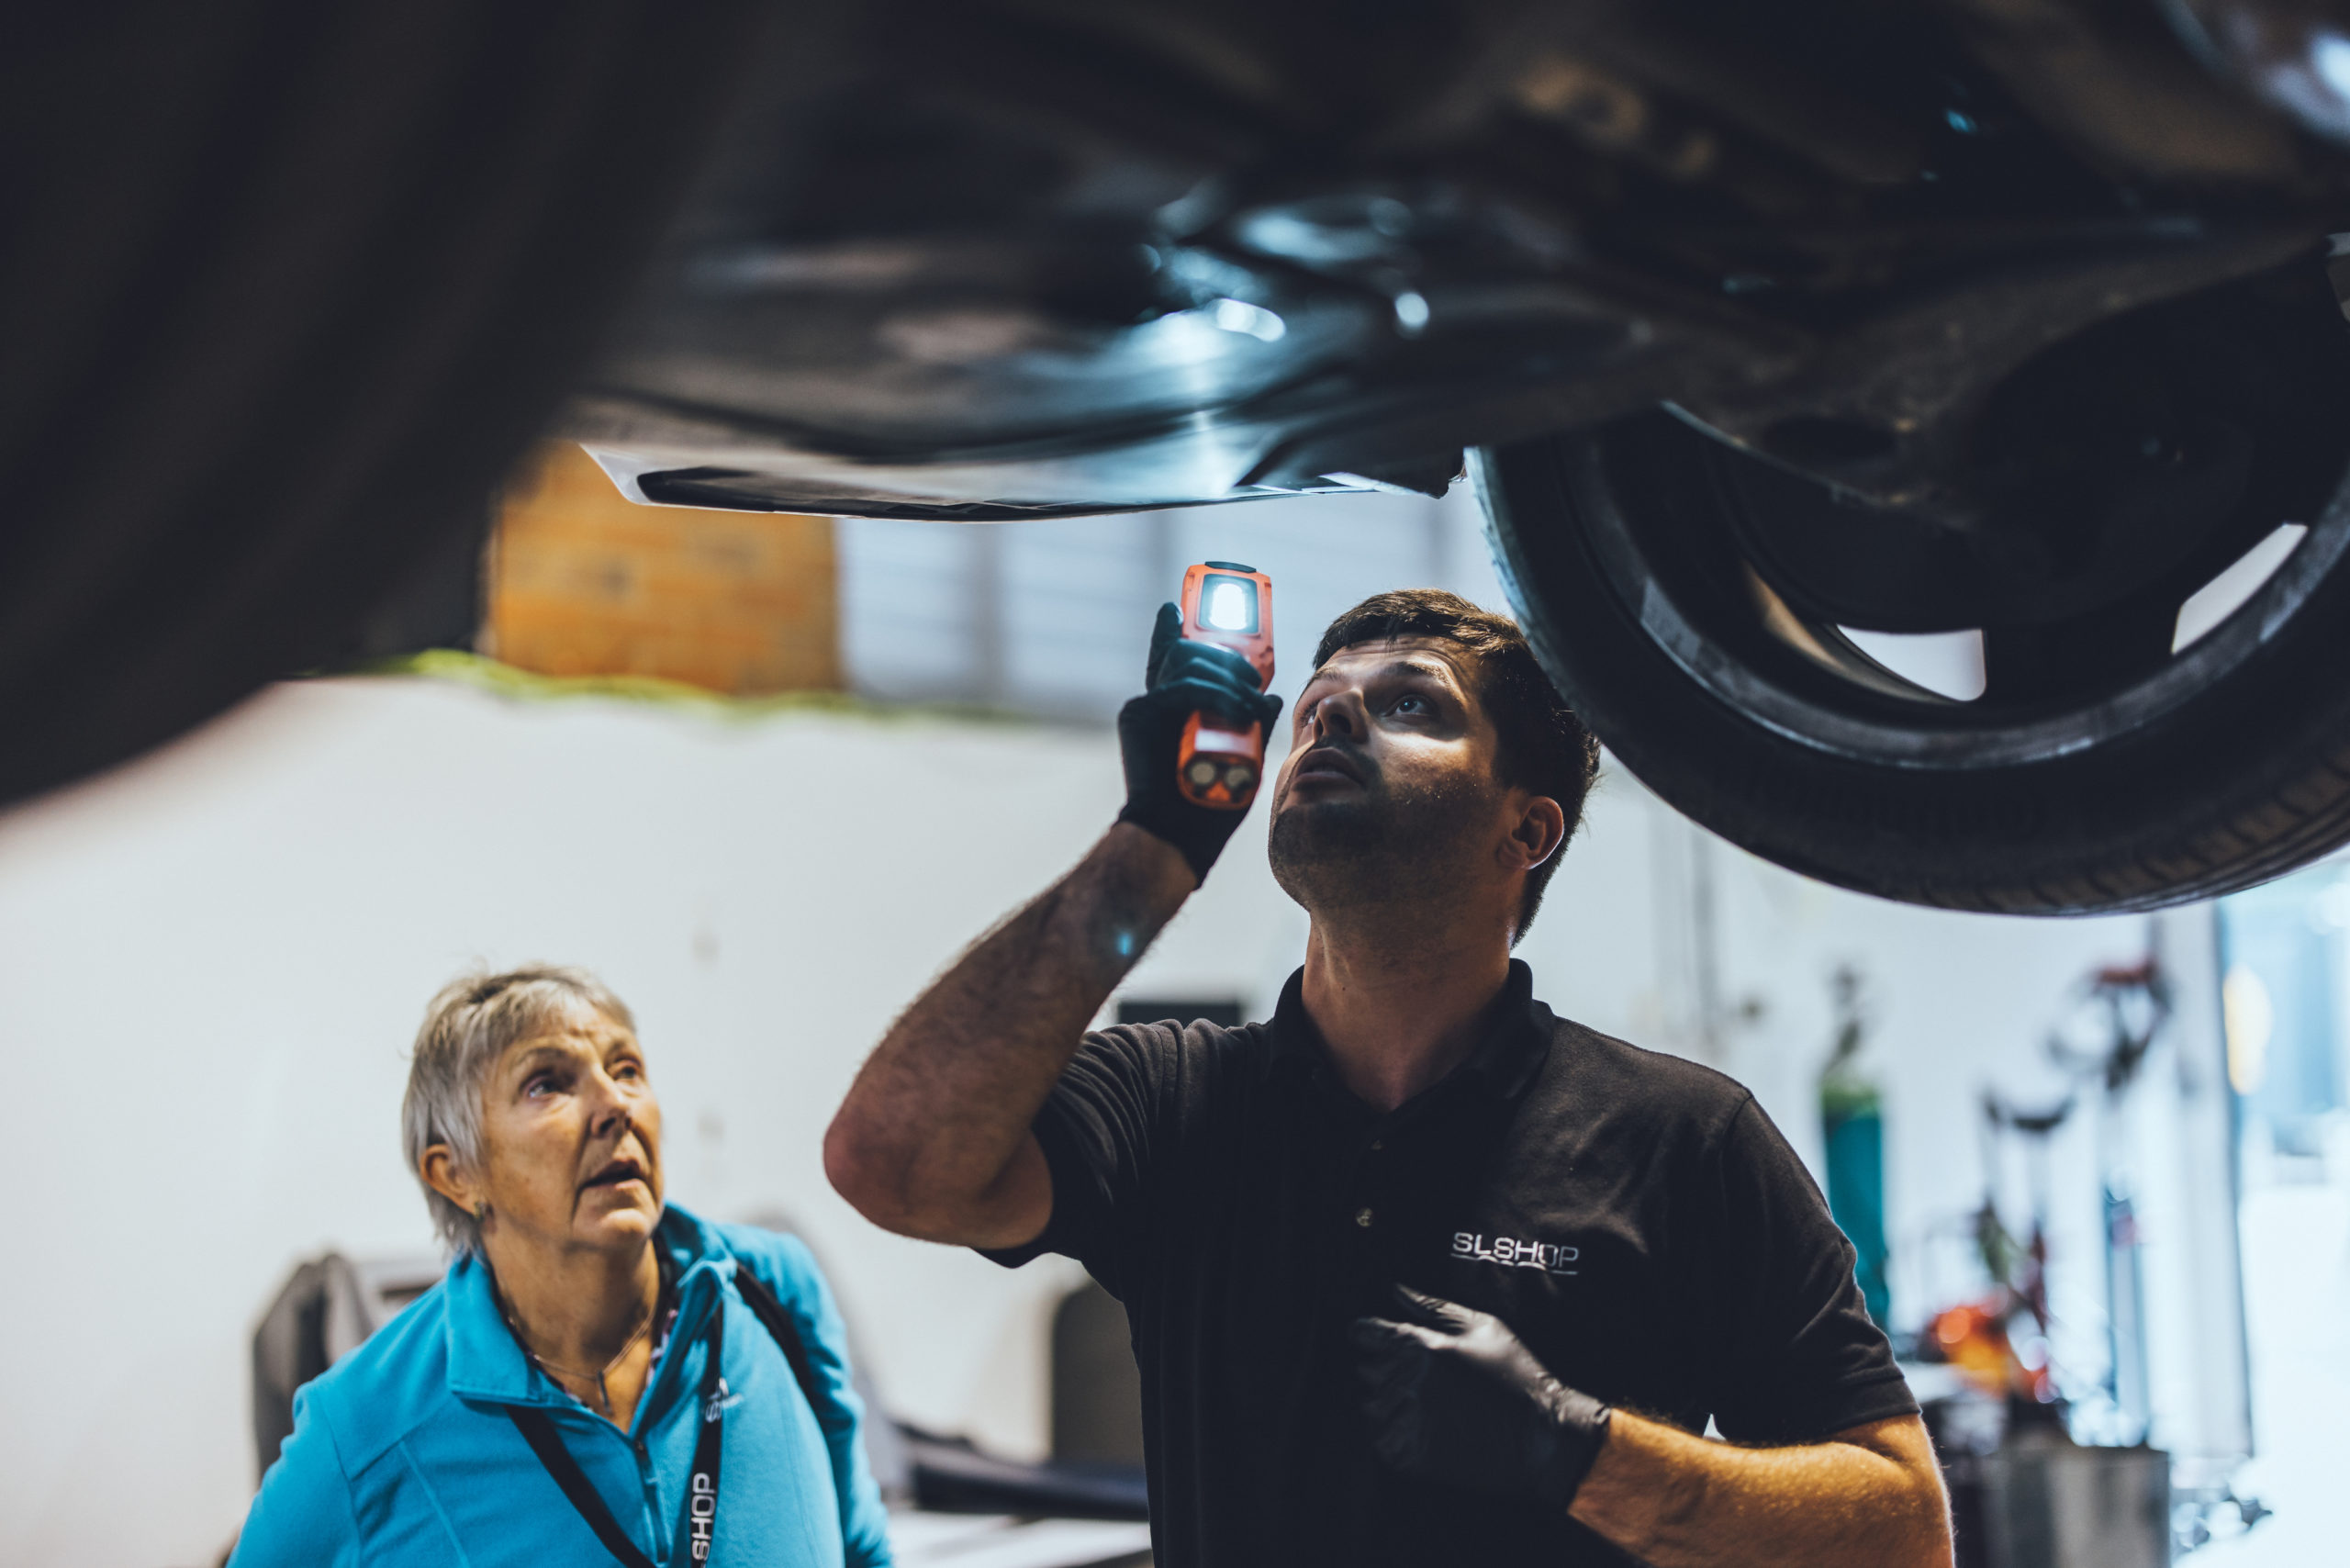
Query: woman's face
[[571, 1139]]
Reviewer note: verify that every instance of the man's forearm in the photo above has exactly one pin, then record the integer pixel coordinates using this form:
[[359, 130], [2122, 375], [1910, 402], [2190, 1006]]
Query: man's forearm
[[1872, 1499], [929, 1141]]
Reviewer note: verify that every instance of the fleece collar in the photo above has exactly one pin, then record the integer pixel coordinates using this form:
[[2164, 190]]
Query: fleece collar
[[485, 1362]]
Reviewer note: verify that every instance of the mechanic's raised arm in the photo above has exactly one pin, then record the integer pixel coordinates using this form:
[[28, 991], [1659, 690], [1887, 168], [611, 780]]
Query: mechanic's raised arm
[[934, 1139]]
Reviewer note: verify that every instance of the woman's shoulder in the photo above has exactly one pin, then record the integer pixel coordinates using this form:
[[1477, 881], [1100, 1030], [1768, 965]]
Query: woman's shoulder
[[781, 1260], [395, 1381], [778, 1260]]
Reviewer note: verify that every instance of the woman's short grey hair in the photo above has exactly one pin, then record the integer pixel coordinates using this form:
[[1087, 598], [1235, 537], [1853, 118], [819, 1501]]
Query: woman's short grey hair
[[467, 1029]]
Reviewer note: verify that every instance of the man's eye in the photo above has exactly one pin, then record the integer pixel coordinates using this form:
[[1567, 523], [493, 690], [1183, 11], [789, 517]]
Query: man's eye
[[1408, 705]]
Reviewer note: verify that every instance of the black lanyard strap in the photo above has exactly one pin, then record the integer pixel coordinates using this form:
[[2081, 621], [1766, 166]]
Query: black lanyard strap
[[698, 1513], [537, 1430], [785, 1334]]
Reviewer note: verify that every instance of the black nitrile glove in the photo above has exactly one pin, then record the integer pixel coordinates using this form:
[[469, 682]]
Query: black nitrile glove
[[1454, 1398], [1182, 679]]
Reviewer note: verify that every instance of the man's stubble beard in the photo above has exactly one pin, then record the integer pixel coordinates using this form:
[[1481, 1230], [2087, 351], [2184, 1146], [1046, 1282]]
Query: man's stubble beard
[[1384, 850]]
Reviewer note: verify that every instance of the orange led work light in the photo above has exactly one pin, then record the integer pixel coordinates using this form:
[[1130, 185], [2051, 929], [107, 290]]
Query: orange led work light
[[1233, 606]]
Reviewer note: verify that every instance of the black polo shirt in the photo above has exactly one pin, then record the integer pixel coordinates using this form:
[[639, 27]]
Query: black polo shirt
[[1635, 1218]]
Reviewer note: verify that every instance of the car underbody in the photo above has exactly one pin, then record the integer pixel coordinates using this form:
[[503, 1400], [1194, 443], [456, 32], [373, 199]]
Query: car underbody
[[1041, 257]]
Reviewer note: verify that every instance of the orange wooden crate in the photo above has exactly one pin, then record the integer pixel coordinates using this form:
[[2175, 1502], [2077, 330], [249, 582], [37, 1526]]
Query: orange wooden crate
[[582, 582]]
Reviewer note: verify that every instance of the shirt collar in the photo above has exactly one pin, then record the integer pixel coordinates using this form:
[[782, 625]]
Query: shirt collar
[[485, 1364], [1513, 1046]]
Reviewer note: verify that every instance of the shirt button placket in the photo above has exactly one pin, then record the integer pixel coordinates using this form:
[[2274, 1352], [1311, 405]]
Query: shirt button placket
[[1364, 1217]]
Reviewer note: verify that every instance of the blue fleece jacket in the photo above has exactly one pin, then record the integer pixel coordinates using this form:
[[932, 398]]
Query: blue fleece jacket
[[403, 1452]]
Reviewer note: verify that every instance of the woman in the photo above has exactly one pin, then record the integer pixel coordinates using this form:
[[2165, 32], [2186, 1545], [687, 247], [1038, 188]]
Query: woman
[[599, 1378]]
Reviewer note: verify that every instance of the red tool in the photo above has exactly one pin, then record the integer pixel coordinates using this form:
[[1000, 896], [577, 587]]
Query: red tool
[[1231, 605]]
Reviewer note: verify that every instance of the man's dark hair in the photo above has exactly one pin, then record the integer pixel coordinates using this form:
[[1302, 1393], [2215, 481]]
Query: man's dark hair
[[1543, 746]]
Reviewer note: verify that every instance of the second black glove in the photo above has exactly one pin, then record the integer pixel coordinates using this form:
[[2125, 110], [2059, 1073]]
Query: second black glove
[[1453, 1397]]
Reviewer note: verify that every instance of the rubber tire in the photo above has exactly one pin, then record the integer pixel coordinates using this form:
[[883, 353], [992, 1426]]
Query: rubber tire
[[2243, 782], [285, 288]]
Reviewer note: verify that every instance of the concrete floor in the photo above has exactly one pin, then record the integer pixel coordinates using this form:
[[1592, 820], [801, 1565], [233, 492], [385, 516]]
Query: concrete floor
[[966, 1541]]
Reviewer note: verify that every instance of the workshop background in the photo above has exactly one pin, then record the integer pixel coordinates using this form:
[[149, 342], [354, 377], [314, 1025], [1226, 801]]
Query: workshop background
[[766, 775]]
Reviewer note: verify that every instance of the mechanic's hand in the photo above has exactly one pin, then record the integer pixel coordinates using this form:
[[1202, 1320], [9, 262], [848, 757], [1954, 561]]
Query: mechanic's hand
[[1454, 1398], [1184, 677]]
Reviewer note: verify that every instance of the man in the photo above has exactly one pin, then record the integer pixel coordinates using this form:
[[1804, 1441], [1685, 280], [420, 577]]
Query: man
[[1419, 1272]]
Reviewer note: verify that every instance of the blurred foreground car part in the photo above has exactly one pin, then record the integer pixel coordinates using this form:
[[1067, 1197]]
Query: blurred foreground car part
[[284, 291], [2295, 53]]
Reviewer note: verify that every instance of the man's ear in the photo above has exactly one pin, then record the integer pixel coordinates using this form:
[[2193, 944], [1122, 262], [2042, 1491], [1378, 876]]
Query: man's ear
[[1539, 831], [438, 1165]]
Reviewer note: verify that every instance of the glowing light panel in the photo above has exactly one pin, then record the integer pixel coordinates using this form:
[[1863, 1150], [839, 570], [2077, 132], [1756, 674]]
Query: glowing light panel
[[1228, 605]]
